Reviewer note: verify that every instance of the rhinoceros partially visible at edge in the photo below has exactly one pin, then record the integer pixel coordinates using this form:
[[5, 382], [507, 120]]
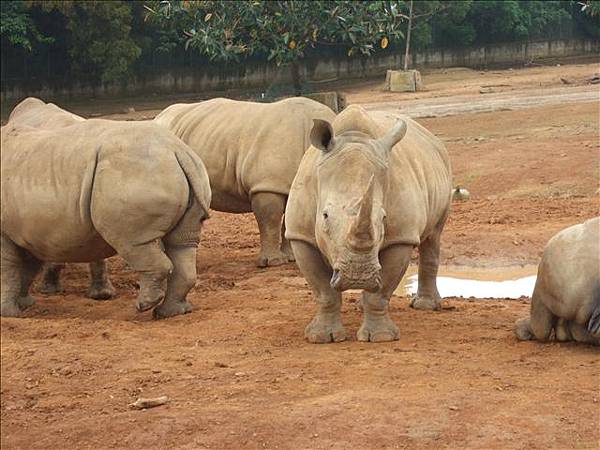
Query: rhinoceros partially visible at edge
[[566, 296], [370, 189], [89, 190], [251, 152], [33, 112]]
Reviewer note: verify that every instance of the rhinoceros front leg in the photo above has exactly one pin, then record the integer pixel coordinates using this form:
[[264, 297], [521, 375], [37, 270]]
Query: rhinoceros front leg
[[428, 296], [100, 286], [377, 325], [268, 209], [18, 271], [286, 247], [50, 283], [326, 326]]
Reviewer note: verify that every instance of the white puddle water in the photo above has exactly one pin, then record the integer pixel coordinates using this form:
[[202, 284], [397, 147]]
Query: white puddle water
[[503, 282]]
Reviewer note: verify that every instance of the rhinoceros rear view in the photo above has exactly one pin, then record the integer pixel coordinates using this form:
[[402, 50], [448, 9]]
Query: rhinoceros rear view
[[95, 188], [566, 297]]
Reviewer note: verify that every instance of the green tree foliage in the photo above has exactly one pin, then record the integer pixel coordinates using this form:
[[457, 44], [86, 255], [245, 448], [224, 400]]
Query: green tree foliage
[[114, 40], [17, 27], [100, 41], [282, 31]]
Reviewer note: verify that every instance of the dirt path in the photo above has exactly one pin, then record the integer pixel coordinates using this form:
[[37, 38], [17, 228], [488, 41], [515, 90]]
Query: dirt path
[[240, 375]]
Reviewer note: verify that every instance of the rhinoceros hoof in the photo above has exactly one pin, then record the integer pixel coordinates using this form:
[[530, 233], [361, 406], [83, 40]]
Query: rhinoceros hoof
[[322, 331], [426, 303], [170, 309], [523, 329], [10, 309], [49, 288], [25, 302], [378, 331], [271, 260], [101, 292]]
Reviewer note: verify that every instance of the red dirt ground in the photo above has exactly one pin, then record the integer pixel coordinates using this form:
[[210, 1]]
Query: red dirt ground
[[239, 374]]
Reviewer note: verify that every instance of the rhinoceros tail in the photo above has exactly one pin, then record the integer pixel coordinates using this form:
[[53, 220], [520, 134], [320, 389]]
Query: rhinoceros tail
[[594, 322], [195, 172]]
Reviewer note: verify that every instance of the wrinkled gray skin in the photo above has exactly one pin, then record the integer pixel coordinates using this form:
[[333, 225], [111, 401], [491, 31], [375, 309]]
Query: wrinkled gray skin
[[96, 188], [370, 189], [32, 112], [251, 152], [566, 297]]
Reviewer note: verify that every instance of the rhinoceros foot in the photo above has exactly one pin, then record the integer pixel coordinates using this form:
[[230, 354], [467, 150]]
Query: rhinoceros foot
[[104, 291], [426, 303], [25, 302], [10, 309], [323, 330], [382, 329], [523, 329], [170, 309], [49, 287], [270, 260]]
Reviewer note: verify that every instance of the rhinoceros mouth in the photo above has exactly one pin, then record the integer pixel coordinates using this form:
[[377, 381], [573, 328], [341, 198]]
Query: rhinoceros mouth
[[361, 272]]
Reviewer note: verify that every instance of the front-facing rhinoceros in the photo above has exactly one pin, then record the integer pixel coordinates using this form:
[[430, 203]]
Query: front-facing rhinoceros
[[566, 296], [251, 152], [95, 188], [370, 189], [33, 112]]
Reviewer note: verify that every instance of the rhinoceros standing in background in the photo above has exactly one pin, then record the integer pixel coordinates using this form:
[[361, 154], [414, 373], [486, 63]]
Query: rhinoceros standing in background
[[566, 296], [370, 189], [95, 188], [33, 112], [251, 152]]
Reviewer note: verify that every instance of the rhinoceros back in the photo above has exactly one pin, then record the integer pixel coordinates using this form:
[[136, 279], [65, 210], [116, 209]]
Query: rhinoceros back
[[246, 147]]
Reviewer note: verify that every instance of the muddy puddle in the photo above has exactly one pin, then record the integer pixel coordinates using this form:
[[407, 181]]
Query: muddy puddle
[[493, 282]]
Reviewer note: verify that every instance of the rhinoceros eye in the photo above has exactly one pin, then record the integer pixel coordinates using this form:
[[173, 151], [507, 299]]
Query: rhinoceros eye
[[325, 215]]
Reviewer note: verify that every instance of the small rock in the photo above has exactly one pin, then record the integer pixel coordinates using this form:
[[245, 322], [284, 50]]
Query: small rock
[[143, 403], [460, 194], [565, 81], [220, 364], [453, 408]]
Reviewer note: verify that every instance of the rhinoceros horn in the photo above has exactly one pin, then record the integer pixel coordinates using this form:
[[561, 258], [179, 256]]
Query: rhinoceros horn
[[394, 136], [361, 232]]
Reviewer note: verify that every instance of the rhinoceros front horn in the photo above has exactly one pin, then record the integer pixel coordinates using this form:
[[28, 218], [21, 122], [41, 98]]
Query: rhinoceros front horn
[[361, 233], [394, 136]]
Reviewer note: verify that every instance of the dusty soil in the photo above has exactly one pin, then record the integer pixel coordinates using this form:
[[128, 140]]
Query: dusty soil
[[238, 371]]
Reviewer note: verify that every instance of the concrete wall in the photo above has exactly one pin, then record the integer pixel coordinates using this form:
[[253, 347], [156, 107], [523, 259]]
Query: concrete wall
[[182, 80]]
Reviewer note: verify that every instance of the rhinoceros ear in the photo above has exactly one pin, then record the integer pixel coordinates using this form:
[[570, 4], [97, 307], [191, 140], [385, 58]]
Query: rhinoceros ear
[[394, 136], [321, 135]]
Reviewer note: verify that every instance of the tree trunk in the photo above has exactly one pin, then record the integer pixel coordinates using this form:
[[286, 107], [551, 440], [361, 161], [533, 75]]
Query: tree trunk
[[407, 48], [295, 70]]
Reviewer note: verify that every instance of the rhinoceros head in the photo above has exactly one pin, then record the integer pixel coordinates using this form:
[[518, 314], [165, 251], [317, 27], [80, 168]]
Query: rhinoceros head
[[350, 220]]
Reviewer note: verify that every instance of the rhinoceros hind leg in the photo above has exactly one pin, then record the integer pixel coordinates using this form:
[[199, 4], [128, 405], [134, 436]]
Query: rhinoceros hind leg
[[542, 319], [50, 283], [268, 209], [100, 286], [428, 297], [327, 325], [181, 245], [377, 325], [523, 329], [153, 267]]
